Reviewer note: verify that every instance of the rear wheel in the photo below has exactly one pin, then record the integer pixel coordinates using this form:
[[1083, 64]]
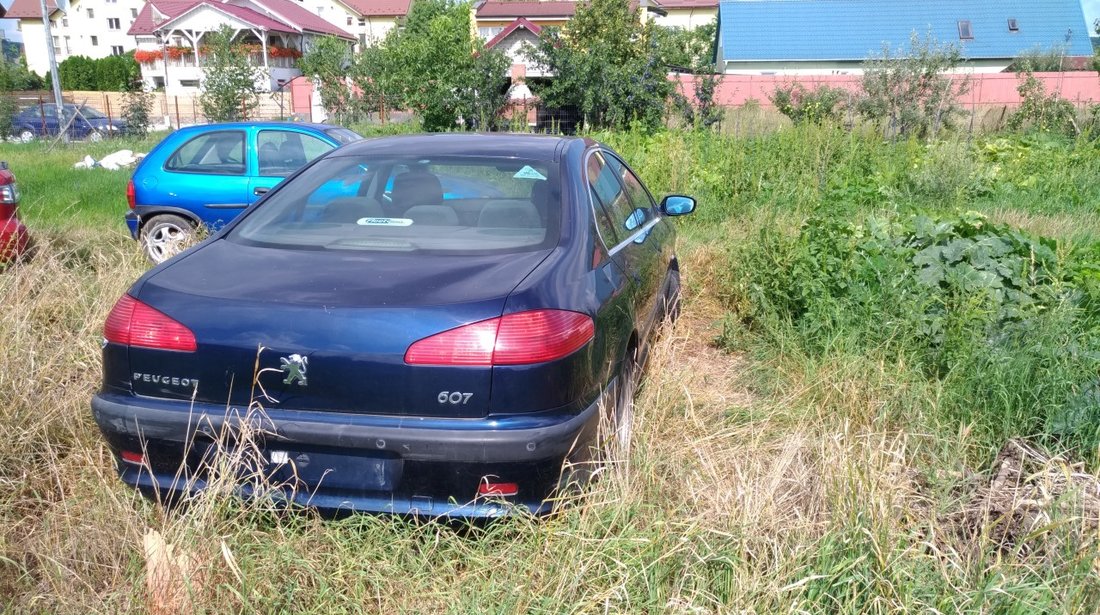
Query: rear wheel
[[95, 136], [166, 235], [26, 135], [672, 297], [622, 419]]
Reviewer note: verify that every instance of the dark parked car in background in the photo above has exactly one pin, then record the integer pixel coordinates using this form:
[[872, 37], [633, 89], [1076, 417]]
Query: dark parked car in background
[[38, 121], [420, 354], [14, 238]]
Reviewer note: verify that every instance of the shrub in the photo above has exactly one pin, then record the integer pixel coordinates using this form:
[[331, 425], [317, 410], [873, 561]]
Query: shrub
[[909, 93], [1041, 111], [137, 107], [327, 62], [109, 74], [1040, 60], [703, 111], [817, 106]]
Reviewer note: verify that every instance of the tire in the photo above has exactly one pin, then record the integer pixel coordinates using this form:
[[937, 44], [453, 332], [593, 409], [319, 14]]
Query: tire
[[26, 135], [622, 419], [166, 235], [672, 296], [95, 136]]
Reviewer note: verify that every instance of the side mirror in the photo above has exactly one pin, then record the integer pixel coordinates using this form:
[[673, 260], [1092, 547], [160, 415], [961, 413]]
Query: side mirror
[[677, 205]]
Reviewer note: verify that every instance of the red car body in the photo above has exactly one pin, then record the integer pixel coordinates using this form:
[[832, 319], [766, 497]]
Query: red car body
[[14, 238]]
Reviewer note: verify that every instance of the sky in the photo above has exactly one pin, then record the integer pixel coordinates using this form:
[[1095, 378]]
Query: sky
[[1092, 13]]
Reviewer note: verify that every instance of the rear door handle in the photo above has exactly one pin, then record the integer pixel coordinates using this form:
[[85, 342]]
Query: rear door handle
[[260, 190]]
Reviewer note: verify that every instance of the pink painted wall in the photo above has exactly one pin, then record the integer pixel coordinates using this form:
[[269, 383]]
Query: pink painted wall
[[990, 89]]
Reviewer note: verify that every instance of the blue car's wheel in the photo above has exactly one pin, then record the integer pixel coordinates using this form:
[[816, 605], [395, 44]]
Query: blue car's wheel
[[166, 235]]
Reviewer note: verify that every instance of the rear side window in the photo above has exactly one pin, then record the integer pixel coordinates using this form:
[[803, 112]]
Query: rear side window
[[607, 178], [282, 152], [220, 153], [448, 205]]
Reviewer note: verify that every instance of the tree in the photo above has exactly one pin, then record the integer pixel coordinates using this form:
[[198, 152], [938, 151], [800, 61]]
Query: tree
[[229, 79], [909, 92], [436, 67], [328, 62], [607, 65]]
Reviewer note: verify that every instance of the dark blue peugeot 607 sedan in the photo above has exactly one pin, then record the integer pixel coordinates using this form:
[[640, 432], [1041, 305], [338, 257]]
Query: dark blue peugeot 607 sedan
[[392, 350]]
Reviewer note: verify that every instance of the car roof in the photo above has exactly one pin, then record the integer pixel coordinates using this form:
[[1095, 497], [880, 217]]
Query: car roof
[[491, 145], [257, 124]]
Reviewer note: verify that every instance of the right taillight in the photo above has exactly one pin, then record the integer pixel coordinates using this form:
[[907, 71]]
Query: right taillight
[[523, 338], [131, 194], [132, 323]]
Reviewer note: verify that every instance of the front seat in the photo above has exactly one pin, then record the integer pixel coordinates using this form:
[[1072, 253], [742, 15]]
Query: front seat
[[509, 214], [414, 188]]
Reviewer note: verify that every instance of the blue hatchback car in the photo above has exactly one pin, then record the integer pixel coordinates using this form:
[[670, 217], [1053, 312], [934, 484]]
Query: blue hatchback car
[[358, 341], [206, 175]]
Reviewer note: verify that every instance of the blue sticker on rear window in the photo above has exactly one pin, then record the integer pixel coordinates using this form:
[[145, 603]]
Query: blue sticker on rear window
[[528, 173]]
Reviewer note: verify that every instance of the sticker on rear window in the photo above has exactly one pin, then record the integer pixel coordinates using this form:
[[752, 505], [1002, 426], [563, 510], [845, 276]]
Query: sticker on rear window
[[384, 222], [528, 173]]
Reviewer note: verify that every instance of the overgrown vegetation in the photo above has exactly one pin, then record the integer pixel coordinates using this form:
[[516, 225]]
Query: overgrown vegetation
[[137, 109], [838, 452], [1042, 111], [817, 106], [229, 79]]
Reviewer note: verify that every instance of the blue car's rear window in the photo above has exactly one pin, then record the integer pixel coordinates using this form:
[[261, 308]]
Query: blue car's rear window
[[451, 205]]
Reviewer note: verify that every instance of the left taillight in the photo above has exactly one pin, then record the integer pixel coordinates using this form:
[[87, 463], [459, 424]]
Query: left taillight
[[9, 194], [133, 323], [523, 338], [131, 194]]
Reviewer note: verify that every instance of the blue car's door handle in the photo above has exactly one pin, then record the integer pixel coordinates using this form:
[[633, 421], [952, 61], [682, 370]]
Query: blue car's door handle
[[260, 190]]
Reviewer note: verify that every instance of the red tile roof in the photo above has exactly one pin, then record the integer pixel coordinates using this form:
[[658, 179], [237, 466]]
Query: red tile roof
[[29, 9], [280, 16], [523, 8], [386, 8], [147, 21], [512, 27], [300, 17]]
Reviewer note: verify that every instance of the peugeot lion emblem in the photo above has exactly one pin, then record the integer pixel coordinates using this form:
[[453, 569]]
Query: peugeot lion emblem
[[294, 367]]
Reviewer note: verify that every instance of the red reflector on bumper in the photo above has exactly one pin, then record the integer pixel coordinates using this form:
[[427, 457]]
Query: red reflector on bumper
[[132, 457], [497, 489]]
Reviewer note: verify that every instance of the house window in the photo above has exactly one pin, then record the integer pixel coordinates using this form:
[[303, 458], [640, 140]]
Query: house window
[[133, 13], [95, 41], [65, 22], [189, 83], [320, 10], [68, 48], [965, 33], [117, 50], [489, 32], [91, 14], [1013, 25], [362, 39], [113, 23], [349, 20], [362, 21], [56, 45]]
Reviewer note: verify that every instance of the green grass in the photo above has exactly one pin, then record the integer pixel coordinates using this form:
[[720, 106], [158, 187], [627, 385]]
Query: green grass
[[779, 466]]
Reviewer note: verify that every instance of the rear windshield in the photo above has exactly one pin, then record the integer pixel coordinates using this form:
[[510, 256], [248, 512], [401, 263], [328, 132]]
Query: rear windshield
[[450, 205]]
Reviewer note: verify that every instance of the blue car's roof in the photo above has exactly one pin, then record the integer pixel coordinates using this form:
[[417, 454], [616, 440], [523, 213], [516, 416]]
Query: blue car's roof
[[498, 145], [264, 124]]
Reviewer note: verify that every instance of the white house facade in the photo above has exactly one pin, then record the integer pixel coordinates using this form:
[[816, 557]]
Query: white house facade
[[90, 28]]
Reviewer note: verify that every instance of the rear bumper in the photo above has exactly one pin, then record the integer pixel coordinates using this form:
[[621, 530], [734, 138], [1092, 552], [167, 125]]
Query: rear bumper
[[440, 461], [133, 222]]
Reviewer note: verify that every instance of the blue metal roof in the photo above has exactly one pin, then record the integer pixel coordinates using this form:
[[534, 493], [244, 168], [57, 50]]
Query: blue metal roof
[[756, 30]]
